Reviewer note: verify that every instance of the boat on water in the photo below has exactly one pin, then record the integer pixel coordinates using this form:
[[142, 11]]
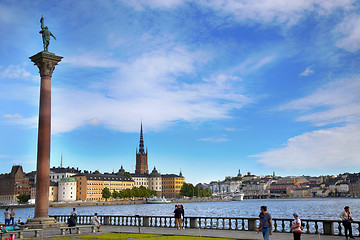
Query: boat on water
[[157, 200], [238, 197]]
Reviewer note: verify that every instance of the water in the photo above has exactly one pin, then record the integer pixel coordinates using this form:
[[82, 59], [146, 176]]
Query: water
[[310, 208]]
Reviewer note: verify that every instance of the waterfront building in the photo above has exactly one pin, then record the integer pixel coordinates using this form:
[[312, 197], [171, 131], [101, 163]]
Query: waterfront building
[[53, 191], [256, 188], [226, 187], [155, 182], [67, 189], [13, 184], [171, 185], [89, 185], [354, 187], [57, 173]]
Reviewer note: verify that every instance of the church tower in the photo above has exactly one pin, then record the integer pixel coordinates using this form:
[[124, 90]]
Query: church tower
[[141, 157]]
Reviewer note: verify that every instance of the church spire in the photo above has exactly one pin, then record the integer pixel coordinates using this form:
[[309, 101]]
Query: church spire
[[141, 144]]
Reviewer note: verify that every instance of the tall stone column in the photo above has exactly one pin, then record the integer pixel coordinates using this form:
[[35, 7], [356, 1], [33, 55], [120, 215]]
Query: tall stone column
[[46, 63]]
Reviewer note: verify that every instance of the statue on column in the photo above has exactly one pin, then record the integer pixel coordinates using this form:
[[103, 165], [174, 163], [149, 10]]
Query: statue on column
[[45, 35]]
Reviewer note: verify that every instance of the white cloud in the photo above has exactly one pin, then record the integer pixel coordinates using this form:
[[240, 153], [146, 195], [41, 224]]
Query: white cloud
[[280, 11], [335, 102], [16, 115], [349, 31], [321, 149], [307, 72], [14, 71], [159, 87], [214, 139], [93, 59], [162, 4]]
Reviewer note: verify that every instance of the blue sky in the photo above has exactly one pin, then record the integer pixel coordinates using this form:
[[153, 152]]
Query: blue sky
[[260, 86]]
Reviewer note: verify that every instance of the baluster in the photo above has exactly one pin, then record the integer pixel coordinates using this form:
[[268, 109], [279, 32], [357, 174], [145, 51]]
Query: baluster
[[275, 226], [339, 228], [316, 227], [217, 223], [282, 226], [237, 224], [211, 222], [242, 224], [229, 223], [290, 224], [307, 227], [358, 229]]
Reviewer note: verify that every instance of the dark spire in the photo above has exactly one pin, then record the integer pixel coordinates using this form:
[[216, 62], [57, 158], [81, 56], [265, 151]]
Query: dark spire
[[141, 144]]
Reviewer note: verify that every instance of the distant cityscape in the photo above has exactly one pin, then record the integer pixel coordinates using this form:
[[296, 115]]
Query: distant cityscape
[[71, 184]]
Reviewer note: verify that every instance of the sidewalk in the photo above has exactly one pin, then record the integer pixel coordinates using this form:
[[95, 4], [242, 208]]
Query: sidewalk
[[243, 235]]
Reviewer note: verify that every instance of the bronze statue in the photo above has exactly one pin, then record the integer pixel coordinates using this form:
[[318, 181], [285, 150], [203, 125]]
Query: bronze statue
[[45, 35]]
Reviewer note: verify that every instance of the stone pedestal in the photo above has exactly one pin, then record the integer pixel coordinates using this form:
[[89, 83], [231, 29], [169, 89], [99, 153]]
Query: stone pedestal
[[46, 63], [41, 223]]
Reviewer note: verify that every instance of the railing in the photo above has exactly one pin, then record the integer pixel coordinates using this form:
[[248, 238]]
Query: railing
[[326, 227]]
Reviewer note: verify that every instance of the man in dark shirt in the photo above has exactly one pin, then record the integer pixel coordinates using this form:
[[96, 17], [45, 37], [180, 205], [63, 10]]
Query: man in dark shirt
[[265, 223], [177, 213]]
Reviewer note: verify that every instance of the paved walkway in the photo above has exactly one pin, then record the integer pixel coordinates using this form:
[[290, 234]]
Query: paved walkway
[[243, 235]]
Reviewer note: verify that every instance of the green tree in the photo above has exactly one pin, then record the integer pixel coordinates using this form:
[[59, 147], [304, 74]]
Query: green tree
[[96, 172], [23, 198], [187, 190], [207, 192], [115, 194], [106, 193]]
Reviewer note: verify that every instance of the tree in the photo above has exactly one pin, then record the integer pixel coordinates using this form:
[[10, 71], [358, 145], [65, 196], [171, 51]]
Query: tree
[[106, 193], [23, 198], [207, 192], [187, 190], [115, 194], [96, 172]]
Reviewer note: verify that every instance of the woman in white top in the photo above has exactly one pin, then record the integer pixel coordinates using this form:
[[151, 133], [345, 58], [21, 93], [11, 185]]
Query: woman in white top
[[346, 221], [296, 227]]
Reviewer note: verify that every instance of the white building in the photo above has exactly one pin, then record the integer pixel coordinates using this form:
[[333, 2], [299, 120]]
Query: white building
[[67, 190], [57, 173]]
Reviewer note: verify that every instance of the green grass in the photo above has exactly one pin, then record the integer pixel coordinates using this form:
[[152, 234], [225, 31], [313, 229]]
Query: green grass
[[123, 236]]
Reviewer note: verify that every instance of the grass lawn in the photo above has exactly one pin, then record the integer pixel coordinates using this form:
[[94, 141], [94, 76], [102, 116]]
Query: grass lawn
[[141, 236]]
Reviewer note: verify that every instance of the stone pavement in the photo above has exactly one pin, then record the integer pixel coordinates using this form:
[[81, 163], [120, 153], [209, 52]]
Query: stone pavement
[[245, 235]]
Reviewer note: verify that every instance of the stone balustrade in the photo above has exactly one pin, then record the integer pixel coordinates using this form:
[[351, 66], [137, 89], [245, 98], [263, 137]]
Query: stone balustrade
[[326, 227]]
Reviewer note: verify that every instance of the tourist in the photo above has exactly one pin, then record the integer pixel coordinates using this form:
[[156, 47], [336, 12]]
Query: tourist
[[346, 221], [265, 223], [296, 227], [182, 216], [95, 221], [7, 217], [177, 215], [71, 222], [12, 215]]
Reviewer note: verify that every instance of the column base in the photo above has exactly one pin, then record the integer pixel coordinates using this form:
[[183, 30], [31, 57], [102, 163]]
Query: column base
[[43, 222]]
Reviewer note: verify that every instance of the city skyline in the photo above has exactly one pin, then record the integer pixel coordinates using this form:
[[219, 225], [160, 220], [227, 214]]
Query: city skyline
[[218, 86]]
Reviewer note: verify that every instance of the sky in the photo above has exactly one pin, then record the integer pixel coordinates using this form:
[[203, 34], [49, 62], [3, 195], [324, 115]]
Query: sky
[[219, 85]]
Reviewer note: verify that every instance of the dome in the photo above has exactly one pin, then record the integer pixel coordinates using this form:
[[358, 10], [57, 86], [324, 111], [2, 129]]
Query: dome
[[155, 173], [67, 179]]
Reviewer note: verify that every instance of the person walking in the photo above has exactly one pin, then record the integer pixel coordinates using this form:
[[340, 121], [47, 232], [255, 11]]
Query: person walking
[[12, 217], [177, 215], [346, 221], [296, 227], [265, 224], [7, 217], [95, 221]]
